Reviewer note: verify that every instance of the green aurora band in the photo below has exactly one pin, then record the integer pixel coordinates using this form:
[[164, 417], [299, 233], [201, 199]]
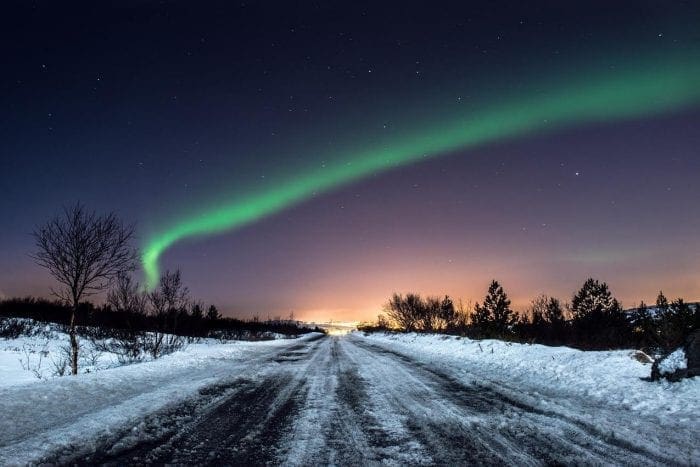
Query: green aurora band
[[632, 93]]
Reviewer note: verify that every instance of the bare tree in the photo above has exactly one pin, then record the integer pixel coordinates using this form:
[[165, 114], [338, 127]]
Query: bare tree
[[127, 297], [428, 314], [168, 302], [84, 252], [538, 309], [463, 315], [405, 311]]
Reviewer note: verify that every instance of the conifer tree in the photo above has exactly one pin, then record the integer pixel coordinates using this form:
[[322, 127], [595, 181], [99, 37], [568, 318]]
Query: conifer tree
[[676, 323], [213, 313], [494, 318], [197, 312], [592, 300], [645, 325], [448, 314], [598, 321], [662, 306]]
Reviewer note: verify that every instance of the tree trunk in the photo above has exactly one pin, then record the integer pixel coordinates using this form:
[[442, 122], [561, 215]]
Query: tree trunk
[[73, 343]]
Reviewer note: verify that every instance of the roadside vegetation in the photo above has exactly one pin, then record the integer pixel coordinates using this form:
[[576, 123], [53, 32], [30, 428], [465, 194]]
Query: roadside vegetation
[[139, 333], [592, 320]]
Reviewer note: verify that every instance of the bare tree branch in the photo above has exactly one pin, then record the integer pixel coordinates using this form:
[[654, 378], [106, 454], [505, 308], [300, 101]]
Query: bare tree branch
[[84, 252]]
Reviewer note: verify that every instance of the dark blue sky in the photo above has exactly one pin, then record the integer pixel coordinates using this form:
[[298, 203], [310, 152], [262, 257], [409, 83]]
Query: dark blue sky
[[153, 108]]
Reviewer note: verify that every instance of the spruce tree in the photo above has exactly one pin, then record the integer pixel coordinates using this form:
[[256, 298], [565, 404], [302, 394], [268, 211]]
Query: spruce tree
[[645, 326], [448, 314], [662, 307], [676, 323], [494, 318], [213, 313], [557, 328], [598, 321], [593, 301], [663, 322]]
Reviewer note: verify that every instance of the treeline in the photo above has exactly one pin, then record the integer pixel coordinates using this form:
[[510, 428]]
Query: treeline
[[189, 323], [158, 322], [593, 319]]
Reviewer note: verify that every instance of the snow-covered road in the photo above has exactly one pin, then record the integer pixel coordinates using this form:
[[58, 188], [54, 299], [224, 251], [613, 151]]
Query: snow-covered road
[[342, 400]]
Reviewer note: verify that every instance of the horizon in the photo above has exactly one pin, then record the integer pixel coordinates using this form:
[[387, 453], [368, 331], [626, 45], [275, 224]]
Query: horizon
[[338, 317]]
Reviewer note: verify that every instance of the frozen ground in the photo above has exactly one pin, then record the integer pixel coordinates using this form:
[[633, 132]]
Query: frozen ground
[[42, 355], [355, 399]]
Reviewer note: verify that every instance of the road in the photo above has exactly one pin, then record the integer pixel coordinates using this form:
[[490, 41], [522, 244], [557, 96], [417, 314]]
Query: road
[[345, 401]]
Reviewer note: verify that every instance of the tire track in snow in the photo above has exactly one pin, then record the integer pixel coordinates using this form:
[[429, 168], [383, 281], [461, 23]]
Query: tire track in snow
[[344, 401], [335, 426], [517, 432], [328, 431], [420, 417], [239, 422]]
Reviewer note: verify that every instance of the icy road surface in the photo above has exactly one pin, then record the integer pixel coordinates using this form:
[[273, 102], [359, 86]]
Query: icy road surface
[[347, 401]]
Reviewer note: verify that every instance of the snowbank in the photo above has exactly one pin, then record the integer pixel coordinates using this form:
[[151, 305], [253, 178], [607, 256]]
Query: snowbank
[[44, 354], [604, 377], [93, 405]]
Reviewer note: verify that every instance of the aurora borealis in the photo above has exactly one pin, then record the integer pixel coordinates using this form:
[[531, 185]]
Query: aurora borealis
[[315, 158], [626, 93]]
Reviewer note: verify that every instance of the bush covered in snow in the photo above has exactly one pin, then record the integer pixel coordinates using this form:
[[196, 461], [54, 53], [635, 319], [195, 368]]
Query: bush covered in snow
[[673, 362], [684, 362]]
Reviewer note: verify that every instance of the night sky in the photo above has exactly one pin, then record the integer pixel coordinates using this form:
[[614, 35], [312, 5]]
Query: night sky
[[317, 156]]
